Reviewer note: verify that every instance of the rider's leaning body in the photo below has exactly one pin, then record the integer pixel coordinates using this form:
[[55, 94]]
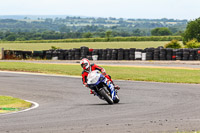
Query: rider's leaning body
[[87, 67]]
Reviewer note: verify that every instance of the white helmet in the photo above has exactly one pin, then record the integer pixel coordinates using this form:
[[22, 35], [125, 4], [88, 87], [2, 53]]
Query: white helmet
[[85, 64]]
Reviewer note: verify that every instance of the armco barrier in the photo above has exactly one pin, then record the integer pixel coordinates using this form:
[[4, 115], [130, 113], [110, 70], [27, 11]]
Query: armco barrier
[[159, 53]]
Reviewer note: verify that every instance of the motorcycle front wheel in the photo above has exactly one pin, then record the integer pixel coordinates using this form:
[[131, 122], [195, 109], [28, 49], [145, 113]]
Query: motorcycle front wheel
[[106, 96], [116, 99]]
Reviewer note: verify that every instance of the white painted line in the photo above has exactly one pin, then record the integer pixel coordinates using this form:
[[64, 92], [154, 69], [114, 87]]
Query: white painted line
[[35, 105]]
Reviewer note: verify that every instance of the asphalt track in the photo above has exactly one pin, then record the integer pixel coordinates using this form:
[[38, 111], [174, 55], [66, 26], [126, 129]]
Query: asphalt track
[[67, 107]]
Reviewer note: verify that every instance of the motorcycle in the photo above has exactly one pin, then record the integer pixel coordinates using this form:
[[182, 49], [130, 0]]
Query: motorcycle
[[102, 87]]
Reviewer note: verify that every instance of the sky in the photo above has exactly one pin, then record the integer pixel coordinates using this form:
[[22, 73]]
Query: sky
[[148, 9]]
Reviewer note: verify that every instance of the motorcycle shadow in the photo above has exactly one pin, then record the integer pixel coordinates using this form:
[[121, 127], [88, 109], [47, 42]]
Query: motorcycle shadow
[[103, 104]]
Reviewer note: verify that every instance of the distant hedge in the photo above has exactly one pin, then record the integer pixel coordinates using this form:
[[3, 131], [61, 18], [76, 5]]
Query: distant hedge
[[111, 39]]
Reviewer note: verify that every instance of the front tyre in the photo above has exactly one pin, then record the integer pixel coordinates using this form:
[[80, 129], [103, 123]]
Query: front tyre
[[106, 96], [116, 99]]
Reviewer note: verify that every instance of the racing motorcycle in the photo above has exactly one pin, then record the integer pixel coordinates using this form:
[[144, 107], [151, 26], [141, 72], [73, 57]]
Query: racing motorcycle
[[102, 87]]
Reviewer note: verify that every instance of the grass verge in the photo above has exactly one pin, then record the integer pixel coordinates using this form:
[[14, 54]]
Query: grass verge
[[169, 75], [8, 104]]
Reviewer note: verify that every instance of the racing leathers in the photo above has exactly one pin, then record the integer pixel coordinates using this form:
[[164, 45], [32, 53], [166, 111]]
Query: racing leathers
[[92, 68]]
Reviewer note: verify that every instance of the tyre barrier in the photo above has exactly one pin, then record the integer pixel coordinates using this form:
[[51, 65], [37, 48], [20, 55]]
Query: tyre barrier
[[159, 53], [38, 54]]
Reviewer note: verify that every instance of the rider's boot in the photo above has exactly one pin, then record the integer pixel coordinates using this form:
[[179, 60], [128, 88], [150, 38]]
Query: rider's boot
[[95, 94], [117, 87], [91, 91]]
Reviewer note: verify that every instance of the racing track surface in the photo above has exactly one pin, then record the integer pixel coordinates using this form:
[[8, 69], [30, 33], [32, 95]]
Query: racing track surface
[[66, 106]]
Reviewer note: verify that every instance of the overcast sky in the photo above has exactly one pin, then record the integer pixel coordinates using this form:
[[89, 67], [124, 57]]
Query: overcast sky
[[153, 9]]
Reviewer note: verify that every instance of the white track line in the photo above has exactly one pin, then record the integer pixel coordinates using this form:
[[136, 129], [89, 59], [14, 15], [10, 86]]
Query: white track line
[[35, 105]]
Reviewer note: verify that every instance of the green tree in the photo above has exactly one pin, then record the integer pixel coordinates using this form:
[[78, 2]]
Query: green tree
[[192, 31], [11, 37], [64, 29], [137, 32], [192, 44], [108, 34], [173, 44], [87, 35], [163, 31]]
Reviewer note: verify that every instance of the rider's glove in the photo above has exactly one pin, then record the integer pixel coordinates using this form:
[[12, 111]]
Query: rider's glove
[[104, 73]]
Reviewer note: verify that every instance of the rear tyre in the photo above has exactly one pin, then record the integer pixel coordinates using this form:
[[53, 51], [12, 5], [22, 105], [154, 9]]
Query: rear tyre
[[106, 96]]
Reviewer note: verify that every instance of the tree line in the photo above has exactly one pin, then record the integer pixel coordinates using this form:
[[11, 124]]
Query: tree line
[[59, 28], [75, 27], [53, 35]]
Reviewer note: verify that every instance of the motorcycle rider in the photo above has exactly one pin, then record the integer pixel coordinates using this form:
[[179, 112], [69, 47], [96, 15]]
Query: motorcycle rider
[[87, 67]]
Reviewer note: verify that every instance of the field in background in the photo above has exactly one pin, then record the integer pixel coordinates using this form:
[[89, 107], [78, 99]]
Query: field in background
[[99, 45]]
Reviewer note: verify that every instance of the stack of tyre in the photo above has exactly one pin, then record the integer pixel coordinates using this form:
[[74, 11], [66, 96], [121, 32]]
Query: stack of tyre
[[109, 54], [159, 53], [61, 54], [163, 54], [192, 55], [89, 56], [95, 52], [77, 53], [71, 54], [8, 54], [149, 53], [120, 55], [174, 54], [39, 54], [104, 54], [18, 54], [28, 54], [126, 54], [169, 53], [179, 54], [84, 52], [186, 54], [198, 54], [114, 54], [66, 54], [132, 54], [49, 54], [156, 55], [55, 54], [100, 54]]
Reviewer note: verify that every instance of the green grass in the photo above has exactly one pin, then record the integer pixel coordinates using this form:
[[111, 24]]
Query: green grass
[[99, 45], [8, 103], [170, 75]]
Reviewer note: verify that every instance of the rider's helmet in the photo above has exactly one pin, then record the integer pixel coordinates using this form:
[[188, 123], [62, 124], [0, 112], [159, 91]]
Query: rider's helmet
[[85, 64]]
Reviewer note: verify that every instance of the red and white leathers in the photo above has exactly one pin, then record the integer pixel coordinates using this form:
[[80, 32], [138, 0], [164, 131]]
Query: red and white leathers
[[87, 67], [93, 67]]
